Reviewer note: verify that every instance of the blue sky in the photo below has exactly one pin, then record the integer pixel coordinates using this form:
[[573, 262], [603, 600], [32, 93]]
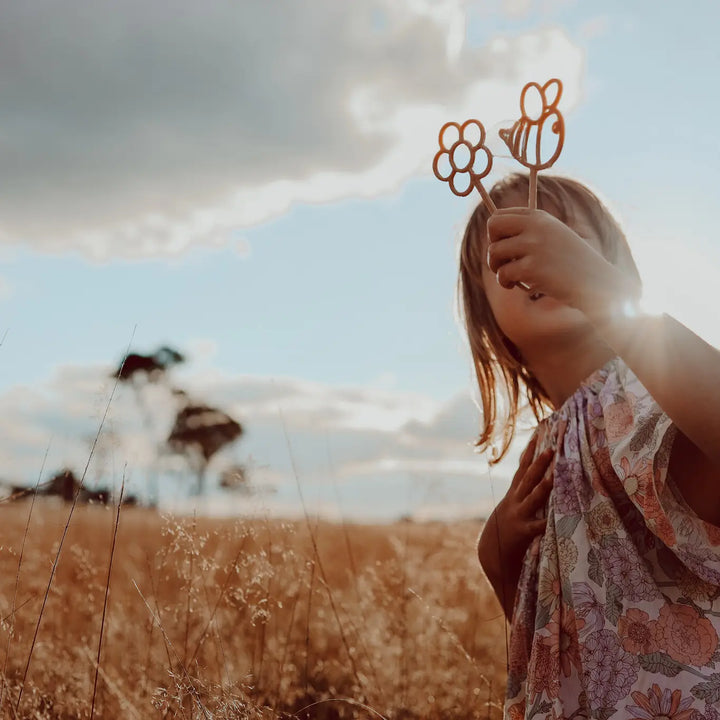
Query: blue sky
[[269, 210]]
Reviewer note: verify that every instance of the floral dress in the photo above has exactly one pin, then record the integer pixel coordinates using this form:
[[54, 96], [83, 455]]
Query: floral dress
[[617, 613]]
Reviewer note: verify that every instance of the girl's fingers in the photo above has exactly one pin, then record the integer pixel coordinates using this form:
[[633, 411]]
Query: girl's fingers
[[525, 461], [534, 474], [520, 210], [506, 224], [500, 253], [513, 272], [538, 495]]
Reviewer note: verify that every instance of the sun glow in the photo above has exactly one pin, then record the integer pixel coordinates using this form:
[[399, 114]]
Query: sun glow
[[681, 282]]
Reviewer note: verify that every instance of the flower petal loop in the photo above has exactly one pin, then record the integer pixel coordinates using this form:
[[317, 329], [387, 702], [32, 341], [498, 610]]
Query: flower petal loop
[[450, 133], [442, 162], [473, 132], [460, 189], [457, 157], [482, 165]]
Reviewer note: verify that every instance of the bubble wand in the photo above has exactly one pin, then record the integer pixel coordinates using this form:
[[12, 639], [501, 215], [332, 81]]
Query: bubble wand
[[477, 163], [464, 156], [530, 128]]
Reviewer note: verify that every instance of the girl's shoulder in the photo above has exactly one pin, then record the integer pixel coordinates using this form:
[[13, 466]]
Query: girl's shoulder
[[610, 385]]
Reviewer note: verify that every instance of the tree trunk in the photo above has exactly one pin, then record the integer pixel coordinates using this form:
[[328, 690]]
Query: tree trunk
[[200, 489]]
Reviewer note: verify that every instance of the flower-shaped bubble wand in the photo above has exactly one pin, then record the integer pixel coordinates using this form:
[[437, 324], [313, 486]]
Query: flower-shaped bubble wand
[[538, 106], [463, 159], [463, 154]]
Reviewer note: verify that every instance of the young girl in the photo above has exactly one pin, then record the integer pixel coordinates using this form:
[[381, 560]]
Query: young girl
[[605, 552]]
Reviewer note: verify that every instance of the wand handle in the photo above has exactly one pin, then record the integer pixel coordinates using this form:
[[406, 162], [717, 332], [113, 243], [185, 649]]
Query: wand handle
[[532, 192], [489, 204]]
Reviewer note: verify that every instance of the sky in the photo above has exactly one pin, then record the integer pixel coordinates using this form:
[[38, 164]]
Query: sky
[[251, 184]]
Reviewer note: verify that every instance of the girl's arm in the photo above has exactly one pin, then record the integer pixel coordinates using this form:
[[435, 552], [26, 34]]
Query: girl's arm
[[682, 373], [679, 369], [513, 525]]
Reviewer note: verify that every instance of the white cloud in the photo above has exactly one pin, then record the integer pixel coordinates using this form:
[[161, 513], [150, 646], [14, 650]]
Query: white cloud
[[201, 350], [361, 441], [518, 8], [302, 403], [139, 131]]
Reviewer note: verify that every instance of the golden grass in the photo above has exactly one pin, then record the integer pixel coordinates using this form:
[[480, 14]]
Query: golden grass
[[246, 619]]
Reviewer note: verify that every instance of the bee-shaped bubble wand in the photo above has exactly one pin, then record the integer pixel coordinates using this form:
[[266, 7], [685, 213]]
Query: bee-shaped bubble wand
[[524, 138]]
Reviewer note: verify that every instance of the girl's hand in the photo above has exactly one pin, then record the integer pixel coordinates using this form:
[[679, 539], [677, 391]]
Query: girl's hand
[[512, 527], [517, 512], [537, 249]]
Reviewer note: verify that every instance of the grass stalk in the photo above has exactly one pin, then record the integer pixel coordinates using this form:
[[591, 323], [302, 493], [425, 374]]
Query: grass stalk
[[311, 587], [347, 701], [354, 572], [115, 690], [14, 607], [191, 579], [403, 663], [107, 593], [323, 576], [151, 577], [221, 594], [288, 637], [191, 685], [452, 635], [65, 530]]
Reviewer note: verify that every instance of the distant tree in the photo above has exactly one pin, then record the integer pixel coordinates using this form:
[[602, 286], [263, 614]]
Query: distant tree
[[63, 484], [66, 485], [199, 433], [152, 368]]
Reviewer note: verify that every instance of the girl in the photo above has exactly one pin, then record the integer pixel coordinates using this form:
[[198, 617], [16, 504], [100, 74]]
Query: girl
[[605, 552]]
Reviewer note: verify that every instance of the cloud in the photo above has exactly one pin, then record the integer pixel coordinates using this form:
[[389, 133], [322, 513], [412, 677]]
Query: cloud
[[201, 350], [136, 129], [453, 421], [301, 403], [337, 442], [518, 8]]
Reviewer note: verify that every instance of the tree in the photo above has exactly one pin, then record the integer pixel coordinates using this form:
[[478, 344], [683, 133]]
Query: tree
[[152, 368], [200, 431]]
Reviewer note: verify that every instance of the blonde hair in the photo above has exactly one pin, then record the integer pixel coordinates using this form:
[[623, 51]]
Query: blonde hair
[[497, 363]]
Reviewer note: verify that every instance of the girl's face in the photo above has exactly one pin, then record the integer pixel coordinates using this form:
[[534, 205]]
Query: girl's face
[[531, 323]]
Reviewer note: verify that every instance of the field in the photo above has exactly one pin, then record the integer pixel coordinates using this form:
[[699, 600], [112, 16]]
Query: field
[[243, 619]]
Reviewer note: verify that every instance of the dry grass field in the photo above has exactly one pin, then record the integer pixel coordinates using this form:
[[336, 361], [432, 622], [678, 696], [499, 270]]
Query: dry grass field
[[243, 619]]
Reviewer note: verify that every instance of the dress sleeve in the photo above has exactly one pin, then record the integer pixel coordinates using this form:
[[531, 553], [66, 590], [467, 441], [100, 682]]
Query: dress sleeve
[[639, 440]]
